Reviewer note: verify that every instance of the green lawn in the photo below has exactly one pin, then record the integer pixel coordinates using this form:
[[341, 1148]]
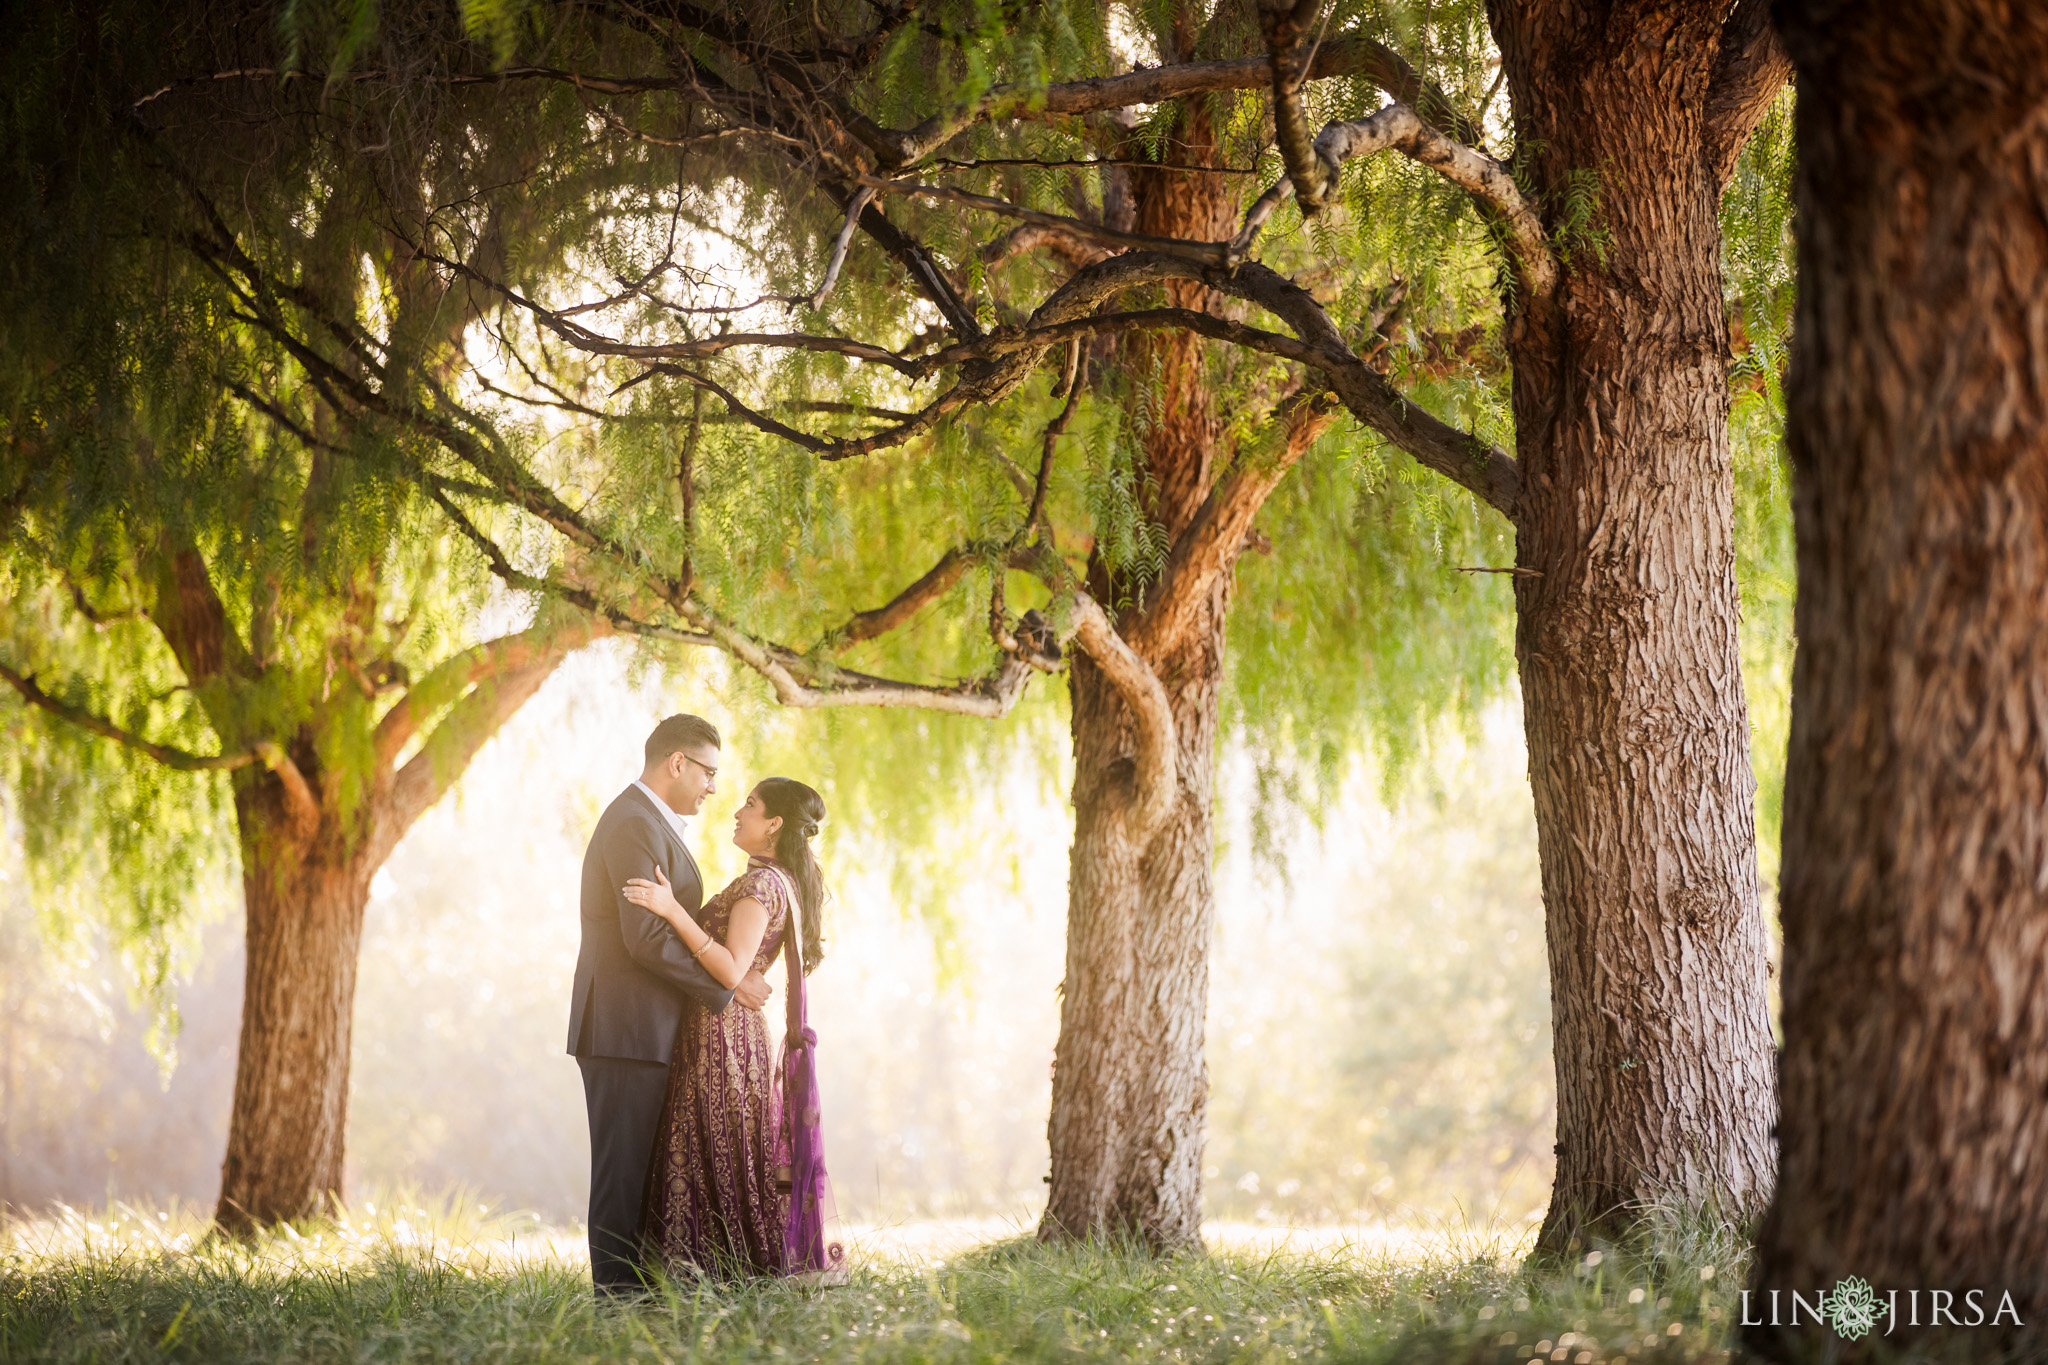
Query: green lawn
[[410, 1284]]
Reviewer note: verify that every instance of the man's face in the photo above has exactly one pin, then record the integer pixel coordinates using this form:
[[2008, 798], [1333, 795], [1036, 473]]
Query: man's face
[[694, 772]]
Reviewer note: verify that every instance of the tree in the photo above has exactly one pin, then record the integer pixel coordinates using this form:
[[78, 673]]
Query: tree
[[1913, 1074], [1627, 126], [210, 565], [691, 520]]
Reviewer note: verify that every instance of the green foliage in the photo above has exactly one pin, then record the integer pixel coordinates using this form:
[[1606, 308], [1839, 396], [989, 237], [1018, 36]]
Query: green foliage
[[162, 457], [1757, 254], [1358, 635], [448, 1284]]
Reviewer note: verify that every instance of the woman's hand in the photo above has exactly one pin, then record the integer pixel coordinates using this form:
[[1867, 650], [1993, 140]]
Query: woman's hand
[[657, 898]]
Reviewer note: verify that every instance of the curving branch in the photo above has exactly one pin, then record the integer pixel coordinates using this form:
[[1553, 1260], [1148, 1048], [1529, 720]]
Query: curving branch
[[1017, 352], [1208, 253], [1282, 22], [933, 584], [1156, 784], [1222, 525], [301, 805], [1348, 55], [444, 684], [1486, 180], [826, 447], [801, 682], [560, 322], [178, 759], [1371, 397], [1071, 247], [501, 677], [579, 597]]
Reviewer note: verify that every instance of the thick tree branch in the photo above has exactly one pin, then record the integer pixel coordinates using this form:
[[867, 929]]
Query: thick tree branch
[[802, 682], [933, 584], [1072, 380], [1283, 22], [301, 804], [1071, 247], [1208, 253], [1347, 55], [1748, 74], [505, 674], [1463, 458], [193, 620], [1487, 181], [179, 759], [1156, 783], [450, 679], [1212, 542]]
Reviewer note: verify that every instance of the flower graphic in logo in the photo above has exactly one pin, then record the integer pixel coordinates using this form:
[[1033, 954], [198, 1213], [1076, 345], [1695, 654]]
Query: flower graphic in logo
[[1852, 1307]]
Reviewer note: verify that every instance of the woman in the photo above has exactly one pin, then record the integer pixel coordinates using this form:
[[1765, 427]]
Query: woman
[[739, 1133]]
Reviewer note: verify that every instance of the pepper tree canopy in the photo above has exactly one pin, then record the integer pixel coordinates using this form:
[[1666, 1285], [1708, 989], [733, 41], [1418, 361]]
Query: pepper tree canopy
[[777, 330]]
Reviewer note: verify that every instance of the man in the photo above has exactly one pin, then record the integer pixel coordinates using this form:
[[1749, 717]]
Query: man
[[633, 977]]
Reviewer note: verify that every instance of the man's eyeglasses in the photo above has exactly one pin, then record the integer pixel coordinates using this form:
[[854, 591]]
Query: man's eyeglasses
[[709, 771]]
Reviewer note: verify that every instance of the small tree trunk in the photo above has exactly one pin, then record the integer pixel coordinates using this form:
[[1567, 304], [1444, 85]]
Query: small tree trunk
[[304, 906], [1915, 896], [1130, 1084], [1627, 641]]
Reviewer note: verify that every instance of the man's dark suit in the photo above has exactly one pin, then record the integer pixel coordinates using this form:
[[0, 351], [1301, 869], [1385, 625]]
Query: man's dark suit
[[633, 977]]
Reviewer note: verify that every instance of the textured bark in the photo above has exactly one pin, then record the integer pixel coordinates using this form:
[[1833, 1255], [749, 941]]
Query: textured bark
[[304, 903], [1627, 631], [1915, 904], [308, 854], [1130, 1085]]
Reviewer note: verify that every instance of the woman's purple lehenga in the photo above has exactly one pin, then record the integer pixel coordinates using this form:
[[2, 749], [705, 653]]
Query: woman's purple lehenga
[[738, 1188]]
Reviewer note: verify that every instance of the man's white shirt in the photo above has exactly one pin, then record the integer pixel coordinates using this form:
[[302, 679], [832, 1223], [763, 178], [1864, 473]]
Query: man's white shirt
[[675, 821]]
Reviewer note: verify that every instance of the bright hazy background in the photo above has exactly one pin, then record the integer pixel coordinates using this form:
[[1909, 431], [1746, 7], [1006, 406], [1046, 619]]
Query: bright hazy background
[[1378, 1026]]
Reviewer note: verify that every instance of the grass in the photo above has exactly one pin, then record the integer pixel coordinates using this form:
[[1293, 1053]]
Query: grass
[[408, 1283]]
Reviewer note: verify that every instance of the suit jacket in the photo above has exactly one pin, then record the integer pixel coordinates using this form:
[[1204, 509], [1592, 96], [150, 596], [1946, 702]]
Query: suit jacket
[[633, 973]]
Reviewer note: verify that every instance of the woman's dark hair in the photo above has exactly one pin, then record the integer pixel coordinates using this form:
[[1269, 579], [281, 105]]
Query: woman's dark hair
[[802, 811]]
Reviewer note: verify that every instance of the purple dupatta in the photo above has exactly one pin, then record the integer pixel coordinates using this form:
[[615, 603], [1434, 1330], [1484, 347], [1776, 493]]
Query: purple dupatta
[[800, 1140]]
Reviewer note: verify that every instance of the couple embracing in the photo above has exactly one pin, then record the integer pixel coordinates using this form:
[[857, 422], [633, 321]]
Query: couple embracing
[[705, 1152]]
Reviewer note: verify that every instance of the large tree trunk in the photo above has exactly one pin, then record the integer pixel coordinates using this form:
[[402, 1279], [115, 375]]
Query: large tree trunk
[[1130, 1082], [304, 900], [1627, 637], [1130, 1085], [1915, 899]]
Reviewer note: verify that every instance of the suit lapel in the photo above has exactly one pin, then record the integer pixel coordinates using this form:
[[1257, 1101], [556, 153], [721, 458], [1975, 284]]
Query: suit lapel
[[668, 826]]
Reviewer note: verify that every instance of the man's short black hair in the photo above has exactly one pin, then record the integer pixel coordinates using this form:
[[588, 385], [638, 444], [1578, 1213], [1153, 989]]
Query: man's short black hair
[[680, 732]]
